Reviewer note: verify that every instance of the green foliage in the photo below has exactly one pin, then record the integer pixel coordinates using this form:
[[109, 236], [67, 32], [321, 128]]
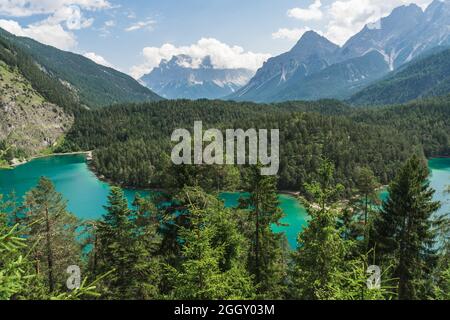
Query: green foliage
[[53, 230], [426, 77], [442, 291], [403, 233], [212, 264], [266, 257], [12, 273], [322, 250], [20, 275], [93, 85], [379, 139], [350, 282], [85, 291], [425, 123], [127, 241], [50, 88]]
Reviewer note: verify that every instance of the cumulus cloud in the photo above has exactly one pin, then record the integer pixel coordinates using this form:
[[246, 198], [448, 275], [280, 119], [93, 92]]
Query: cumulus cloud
[[63, 16], [313, 12], [290, 34], [24, 8], [71, 16], [222, 56], [347, 17], [344, 17], [148, 25], [53, 35], [98, 59]]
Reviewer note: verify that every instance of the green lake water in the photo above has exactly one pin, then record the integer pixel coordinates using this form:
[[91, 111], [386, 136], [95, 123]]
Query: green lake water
[[86, 195]]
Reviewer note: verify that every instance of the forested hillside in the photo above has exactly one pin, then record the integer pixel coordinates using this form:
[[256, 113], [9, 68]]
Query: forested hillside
[[94, 85], [426, 77], [132, 142], [35, 110]]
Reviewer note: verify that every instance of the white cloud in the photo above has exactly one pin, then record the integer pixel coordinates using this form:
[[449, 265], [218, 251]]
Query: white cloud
[[71, 16], [348, 17], [290, 34], [313, 12], [110, 23], [148, 25], [62, 17], [53, 35], [23, 8], [222, 56], [98, 59], [345, 17]]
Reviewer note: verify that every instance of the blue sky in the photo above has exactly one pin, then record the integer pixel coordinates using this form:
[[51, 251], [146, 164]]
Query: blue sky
[[133, 36]]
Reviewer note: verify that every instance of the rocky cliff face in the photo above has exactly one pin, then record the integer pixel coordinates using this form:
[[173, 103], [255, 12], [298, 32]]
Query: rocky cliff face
[[28, 124]]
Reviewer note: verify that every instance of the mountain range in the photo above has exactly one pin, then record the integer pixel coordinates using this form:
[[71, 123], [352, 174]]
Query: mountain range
[[316, 68], [424, 77], [42, 89], [178, 78], [94, 85]]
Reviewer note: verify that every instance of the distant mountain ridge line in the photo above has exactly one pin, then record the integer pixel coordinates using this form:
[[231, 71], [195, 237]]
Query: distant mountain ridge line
[[404, 35], [94, 85], [179, 78]]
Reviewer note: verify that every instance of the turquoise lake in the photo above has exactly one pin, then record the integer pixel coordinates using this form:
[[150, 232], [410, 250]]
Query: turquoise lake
[[86, 195]]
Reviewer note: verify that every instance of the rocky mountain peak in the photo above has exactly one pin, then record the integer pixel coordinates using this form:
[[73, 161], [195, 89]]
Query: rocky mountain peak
[[311, 43]]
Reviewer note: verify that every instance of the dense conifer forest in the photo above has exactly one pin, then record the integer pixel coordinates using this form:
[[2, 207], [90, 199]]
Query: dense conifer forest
[[132, 142]]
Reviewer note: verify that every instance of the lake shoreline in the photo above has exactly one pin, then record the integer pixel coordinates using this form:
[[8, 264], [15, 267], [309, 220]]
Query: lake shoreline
[[93, 169], [19, 163]]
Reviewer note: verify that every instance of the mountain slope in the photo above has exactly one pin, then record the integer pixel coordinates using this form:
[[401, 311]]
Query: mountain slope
[[425, 77], [386, 36], [29, 123], [177, 79], [315, 68], [337, 81], [311, 54], [404, 35], [94, 85]]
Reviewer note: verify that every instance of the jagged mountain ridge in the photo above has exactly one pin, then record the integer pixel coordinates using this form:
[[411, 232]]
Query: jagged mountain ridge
[[311, 54], [178, 79], [399, 38]]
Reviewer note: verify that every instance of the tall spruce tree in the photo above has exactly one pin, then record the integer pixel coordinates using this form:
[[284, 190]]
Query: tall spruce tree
[[404, 234], [267, 258], [321, 250], [127, 243], [53, 231], [213, 261], [359, 215], [366, 184]]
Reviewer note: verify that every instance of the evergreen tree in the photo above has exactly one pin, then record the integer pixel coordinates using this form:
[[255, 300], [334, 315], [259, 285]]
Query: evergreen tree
[[53, 231], [212, 266], [442, 288], [127, 243], [366, 184], [12, 273], [267, 260], [404, 235], [358, 217], [321, 250]]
